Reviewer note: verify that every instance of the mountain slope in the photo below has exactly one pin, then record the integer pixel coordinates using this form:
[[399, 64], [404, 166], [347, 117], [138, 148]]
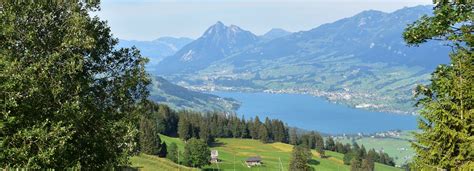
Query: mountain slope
[[217, 42], [361, 61], [233, 152], [157, 49], [180, 98], [274, 33]]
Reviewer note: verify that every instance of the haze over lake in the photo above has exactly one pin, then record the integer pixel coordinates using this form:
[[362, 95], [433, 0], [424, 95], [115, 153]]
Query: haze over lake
[[315, 113]]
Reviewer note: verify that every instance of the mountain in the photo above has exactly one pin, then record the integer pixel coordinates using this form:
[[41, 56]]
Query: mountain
[[180, 98], [361, 61], [217, 42], [157, 49], [274, 33]]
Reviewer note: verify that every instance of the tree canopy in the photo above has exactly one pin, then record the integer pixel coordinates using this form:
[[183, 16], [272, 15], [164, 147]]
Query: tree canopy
[[68, 97]]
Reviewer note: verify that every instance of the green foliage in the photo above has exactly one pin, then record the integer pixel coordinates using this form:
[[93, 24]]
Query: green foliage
[[293, 137], [150, 142], [68, 97], [330, 145], [196, 153], [275, 156], [173, 152], [447, 114], [299, 158]]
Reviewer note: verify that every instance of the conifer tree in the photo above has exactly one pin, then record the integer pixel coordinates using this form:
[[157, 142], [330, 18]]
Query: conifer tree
[[446, 140], [299, 158]]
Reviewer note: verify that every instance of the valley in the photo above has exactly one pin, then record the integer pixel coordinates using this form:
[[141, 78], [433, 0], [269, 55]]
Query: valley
[[360, 61]]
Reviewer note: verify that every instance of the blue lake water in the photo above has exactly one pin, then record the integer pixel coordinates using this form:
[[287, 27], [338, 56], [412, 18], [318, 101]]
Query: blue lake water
[[316, 113]]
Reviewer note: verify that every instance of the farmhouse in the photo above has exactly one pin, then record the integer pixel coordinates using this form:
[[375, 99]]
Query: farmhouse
[[253, 161], [214, 156]]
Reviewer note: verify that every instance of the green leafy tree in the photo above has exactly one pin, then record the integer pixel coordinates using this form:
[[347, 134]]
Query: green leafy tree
[[173, 152], [330, 145], [299, 158], [68, 97], [446, 140], [196, 153]]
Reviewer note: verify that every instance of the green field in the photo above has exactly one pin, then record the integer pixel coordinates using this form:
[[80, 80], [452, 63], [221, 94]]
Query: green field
[[233, 152], [398, 148]]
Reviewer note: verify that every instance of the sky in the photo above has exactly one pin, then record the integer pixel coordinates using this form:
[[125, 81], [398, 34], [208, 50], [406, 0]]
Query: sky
[[149, 20]]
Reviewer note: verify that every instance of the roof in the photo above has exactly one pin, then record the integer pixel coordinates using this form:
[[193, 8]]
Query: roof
[[254, 159], [214, 153]]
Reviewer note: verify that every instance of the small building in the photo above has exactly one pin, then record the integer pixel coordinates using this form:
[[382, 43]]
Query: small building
[[253, 161], [214, 156]]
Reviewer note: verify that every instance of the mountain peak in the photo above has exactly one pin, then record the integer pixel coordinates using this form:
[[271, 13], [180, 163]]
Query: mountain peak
[[275, 33]]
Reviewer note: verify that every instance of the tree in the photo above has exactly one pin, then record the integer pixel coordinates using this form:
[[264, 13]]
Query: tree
[[264, 136], [319, 144], [196, 153], [173, 152], [447, 103], [299, 158], [330, 145], [150, 142], [204, 133], [184, 129], [348, 158], [163, 150], [293, 136], [68, 96], [365, 166], [371, 158], [355, 164]]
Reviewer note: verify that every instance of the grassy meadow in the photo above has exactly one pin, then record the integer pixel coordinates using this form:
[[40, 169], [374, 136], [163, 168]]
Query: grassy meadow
[[233, 152], [398, 148]]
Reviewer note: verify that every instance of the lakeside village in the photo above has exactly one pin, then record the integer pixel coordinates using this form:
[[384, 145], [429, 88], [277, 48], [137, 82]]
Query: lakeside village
[[341, 97]]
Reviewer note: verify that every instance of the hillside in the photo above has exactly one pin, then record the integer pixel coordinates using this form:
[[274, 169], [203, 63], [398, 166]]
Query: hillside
[[156, 49], [217, 42], [180, 98], [233, 152], [361, 61]]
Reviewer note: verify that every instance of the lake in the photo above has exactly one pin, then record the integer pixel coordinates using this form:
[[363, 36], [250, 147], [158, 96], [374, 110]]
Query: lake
[[316, 113]]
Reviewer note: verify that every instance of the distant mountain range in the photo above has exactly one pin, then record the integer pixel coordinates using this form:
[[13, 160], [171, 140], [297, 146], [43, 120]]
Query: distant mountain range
[[157, 49], [274, 33], [361, 61], [180, 98], [216, 42]]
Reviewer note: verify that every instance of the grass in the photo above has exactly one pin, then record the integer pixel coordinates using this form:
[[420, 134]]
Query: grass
[[233, 152], [399, 149], [152, 163]]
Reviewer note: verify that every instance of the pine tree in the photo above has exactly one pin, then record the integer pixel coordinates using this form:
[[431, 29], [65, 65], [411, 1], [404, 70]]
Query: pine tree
[[263, 134], [150, 142], [355, 164], [293, 136], [184, 129], [447, 103], [299, 158]]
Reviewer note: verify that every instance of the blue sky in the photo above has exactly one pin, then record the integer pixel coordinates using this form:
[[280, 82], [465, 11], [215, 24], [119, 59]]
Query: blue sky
[[148, 20]]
